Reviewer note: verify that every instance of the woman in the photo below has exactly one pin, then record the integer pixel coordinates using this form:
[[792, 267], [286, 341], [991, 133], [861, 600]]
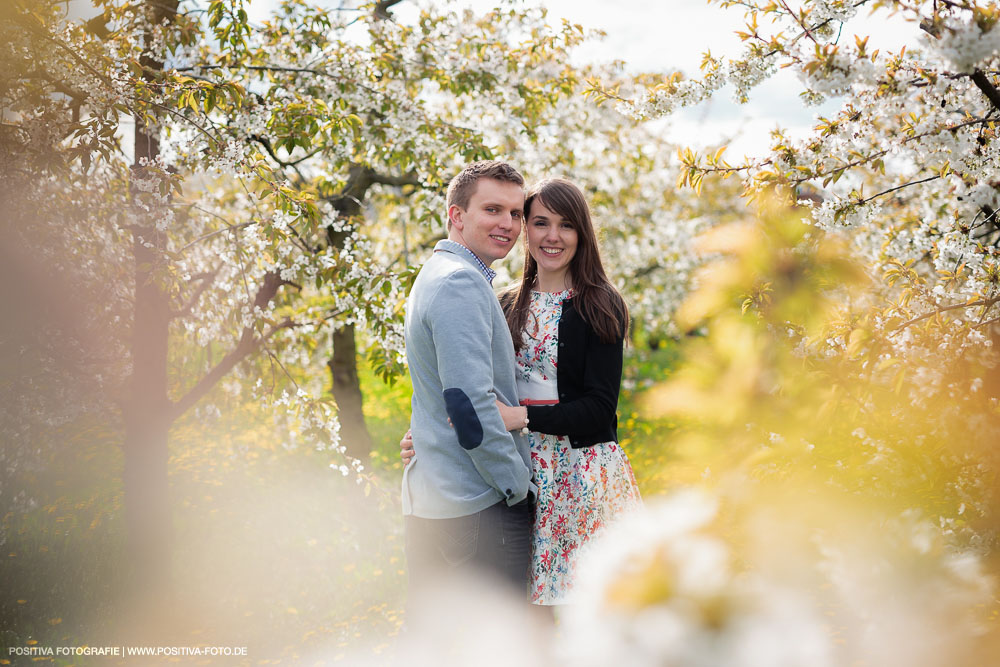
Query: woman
[[568, 324]]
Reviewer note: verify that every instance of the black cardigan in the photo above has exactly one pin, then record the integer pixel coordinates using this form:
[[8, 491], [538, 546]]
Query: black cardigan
[[588, 377]]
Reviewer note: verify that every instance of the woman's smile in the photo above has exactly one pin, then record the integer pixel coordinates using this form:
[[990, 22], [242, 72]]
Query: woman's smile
[[552, 242]]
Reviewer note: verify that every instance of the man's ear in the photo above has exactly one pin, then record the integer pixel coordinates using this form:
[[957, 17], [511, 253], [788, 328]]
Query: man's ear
[[455, 214]]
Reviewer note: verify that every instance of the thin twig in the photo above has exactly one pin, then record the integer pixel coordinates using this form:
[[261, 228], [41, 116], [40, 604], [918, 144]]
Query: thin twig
[[798, 20], [186, 119], [957, 306], [278, 68], [900, 187], [869, 158], [228, 228]]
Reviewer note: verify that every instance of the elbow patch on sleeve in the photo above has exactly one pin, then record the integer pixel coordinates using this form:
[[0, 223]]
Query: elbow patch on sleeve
[[464, 418]]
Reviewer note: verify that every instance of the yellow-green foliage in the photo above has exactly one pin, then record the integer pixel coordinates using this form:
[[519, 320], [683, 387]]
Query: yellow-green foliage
[[796, 383]]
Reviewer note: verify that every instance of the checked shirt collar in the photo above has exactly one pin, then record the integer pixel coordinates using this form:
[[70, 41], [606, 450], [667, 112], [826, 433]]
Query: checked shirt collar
[[458, 248]]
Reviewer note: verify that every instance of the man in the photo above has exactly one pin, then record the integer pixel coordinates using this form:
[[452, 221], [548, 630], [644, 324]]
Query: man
[[467, 496]]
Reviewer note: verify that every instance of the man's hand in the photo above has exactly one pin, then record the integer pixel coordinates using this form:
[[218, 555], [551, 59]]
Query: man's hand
[[406, 448]]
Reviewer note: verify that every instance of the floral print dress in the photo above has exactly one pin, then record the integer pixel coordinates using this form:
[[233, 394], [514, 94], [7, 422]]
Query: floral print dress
[[579, 490]]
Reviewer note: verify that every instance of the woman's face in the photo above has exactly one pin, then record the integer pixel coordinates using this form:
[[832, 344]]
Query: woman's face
[[551, 238]]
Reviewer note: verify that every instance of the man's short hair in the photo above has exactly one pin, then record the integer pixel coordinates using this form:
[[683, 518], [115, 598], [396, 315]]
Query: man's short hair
[[463, 186]]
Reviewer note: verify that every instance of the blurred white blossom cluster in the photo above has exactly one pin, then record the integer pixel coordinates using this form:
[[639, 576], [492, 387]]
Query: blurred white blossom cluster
[[661, 589], [828, 585], [738, 576]]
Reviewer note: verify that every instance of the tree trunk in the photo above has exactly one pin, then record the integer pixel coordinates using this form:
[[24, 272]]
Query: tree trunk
[[147, 408], [343, 362], [147, 498], [347, 392]]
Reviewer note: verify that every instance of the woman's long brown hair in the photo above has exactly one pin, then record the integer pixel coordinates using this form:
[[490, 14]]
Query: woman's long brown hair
[[594, 297]]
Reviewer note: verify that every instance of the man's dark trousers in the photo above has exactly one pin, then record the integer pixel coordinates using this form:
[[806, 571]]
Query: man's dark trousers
[[495, 542]]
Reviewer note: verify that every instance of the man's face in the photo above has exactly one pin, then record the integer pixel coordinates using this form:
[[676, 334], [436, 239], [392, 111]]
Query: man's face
[[492, 221]]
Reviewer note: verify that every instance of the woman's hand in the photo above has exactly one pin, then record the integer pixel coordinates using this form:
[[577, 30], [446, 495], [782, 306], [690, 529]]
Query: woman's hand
[[514, 418], [406, 448]]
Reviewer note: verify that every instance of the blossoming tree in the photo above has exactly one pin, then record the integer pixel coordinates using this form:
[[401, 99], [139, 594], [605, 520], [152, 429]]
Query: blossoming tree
[[228, 235], [907, 173]]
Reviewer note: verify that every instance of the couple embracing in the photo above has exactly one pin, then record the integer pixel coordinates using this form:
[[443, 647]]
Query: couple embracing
[[515, 462]]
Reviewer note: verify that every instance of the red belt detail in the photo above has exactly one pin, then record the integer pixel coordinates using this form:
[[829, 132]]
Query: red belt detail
[[541, 401]]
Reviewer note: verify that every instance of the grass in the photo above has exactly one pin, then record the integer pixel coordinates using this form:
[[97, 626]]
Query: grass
[[387, 414], [646, 440]]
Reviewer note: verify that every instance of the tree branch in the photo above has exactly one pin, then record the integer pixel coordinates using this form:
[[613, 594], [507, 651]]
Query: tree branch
[[978, 77], [247, 344], [206, 279], [985, 85], [988, 219], [798, 20], [382, 9], [385, 179], [848, 165], [41, 32], [291, 70], [349, 200], [266, 143]]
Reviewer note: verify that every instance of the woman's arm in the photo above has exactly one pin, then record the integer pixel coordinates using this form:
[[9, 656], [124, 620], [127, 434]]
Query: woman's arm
[[596, 402], [514, 418]]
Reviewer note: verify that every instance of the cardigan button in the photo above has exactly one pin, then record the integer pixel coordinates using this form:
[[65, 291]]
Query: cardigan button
[[561, 344]]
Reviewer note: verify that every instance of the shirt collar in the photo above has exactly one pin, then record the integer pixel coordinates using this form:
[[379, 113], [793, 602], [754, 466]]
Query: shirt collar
[[459, 249]]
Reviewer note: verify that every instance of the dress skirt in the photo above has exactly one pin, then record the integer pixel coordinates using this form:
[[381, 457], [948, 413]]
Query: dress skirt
[[580, 491]]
